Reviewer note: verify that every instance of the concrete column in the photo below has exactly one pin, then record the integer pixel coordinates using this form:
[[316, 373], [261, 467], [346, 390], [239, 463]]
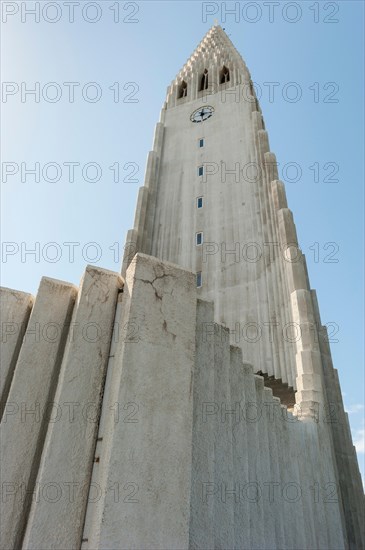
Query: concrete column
[[151, 459], [288, 488], [255, 472], [294, 493], [68, 454], [350, 483], [239, 451], [15, 308], [315, 481], [310, 392], [203, 488], [130, 250], [264, 450], [329, 489], [27, 410], [307, 484], [109, 417], [224, 500], [272, 412]]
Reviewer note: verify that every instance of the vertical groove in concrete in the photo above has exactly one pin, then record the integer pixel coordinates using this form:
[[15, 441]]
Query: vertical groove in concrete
[[27, 410]]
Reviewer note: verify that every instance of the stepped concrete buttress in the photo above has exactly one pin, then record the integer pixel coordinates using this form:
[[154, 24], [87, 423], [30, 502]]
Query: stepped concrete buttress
[[153, 432]]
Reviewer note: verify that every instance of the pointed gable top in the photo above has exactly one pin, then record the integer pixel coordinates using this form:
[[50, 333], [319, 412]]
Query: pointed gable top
[[215, 48], [213, 53]]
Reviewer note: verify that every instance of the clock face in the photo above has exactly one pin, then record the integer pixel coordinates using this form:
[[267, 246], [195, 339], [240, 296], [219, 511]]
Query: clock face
[[202, 114]]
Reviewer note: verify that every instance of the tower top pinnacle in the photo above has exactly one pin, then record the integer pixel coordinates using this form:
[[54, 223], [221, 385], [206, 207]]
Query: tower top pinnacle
[[215, 47], [214, 52]]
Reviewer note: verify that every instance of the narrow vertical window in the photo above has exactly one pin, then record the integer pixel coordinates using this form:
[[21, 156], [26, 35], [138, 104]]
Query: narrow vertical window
[[204, 81], [224, 75], [199, 202], [201, 171], [183, 90], [199, 238], [201, 142], [199, 279]]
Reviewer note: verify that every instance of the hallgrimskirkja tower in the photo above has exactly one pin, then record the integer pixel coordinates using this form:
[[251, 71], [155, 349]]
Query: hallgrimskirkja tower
[[190, 401]]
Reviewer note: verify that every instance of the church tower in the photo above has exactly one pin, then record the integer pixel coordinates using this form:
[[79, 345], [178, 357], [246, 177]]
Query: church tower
[[212, 203], [189, 402]]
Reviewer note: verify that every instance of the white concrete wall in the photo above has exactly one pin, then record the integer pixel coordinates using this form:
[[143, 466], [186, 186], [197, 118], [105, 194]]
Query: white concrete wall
[[148, 455], [187, 448]]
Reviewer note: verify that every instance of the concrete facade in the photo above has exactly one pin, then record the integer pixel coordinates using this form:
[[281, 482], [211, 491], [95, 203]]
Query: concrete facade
[[133, 415], [248, 256], [158, 434]]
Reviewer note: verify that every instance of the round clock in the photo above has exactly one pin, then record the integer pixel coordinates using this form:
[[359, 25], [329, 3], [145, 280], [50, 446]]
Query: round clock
[[202, 114]]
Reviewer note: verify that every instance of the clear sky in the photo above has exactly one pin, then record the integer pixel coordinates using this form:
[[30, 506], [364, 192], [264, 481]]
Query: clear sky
[[308, 54]]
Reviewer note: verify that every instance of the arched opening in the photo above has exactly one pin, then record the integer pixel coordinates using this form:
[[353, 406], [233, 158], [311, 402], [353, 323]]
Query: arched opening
[[224, 75], [183, 90], [203, 85]]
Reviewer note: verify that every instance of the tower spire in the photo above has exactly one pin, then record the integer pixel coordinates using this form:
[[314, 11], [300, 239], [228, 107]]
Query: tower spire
[[213, 52]]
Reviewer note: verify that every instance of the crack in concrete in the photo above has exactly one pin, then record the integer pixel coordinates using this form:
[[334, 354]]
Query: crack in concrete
[[159, 297]]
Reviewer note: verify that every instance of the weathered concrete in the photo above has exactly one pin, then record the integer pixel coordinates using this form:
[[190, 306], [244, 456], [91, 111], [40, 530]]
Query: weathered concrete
[[191, 450], [15, 308], [26, 412], [240, 478], [202, 477], [150, 456], [68, 453]]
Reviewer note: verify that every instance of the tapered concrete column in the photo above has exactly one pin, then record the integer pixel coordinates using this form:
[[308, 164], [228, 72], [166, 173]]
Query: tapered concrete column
[[240, 478], [277, 417], [278, 195], [205, 410], [26, 412], [274, 510], [309, 377], [264, 450], [224, 501], [310, 393], [289, 488], [15, 308], [151, 459], [130, 249], [68, 453], [255, 469]]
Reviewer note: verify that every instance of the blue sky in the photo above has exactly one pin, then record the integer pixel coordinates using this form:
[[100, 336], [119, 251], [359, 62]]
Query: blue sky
[[316, 45]]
